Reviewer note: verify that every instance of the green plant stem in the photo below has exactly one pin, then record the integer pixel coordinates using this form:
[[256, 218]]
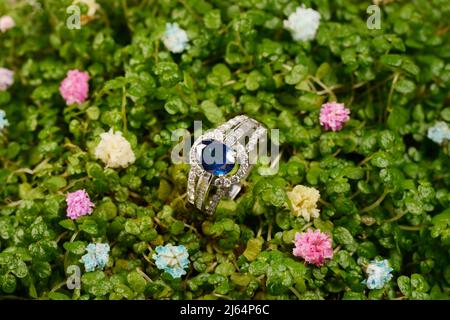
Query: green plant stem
[[74, 182], [66, 255], [188, 8], [222, 296], [336, 153], [324, 86], [125, 13], [337, 249], [357, 192], [411, 228], [58, 286], [365, 160], [124, 110], [61, 236], [391, 92], [306, 226], [397, 217], [297, 294], [376, 203], [143, 274], [325, 203]]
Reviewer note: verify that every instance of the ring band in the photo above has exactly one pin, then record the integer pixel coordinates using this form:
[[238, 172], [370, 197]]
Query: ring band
[[221, 158]]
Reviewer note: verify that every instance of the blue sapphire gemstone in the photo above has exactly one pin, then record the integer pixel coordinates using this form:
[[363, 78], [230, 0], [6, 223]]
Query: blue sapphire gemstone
[[216, 157]]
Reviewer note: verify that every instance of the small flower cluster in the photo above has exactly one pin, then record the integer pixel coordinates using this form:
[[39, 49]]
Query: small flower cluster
[[97, 256], [439, 132], [6, 79], [313, 246], [75, 87], [172, 259], [114, 150], [379, 273], [6, 23], [6, 75], [303, 23], [175, 39], [304, 201], [3, 121], [333, 115], [78, 204]]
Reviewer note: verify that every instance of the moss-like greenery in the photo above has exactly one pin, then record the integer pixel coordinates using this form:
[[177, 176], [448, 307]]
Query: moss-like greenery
[[384, 185]]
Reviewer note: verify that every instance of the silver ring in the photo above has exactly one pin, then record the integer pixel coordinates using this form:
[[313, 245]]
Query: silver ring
[[221, 158]]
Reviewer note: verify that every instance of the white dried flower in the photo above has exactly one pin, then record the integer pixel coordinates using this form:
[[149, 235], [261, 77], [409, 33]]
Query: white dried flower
[[114, 150], [175, 39], [303, 23], [304, 202]]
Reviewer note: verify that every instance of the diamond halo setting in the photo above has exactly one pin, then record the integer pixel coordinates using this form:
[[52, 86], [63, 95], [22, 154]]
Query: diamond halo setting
[[219, 161]]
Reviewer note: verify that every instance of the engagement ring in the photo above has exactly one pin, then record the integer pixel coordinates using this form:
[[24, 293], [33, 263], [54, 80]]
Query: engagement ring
[[221, 158]]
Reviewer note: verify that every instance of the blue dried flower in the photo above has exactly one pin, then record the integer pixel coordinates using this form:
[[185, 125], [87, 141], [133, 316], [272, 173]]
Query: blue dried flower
[[379, 273], [172, 259], [97, 256], [3, 121], [175, 39], [439, 132]]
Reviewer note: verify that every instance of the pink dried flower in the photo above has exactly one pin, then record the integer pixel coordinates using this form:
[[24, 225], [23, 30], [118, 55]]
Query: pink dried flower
[[78, 204], [75, 87], [6, 23], [333, 115], [6, 78], [313, 246]]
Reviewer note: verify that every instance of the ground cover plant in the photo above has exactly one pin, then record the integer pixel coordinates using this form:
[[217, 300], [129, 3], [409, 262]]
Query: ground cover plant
[[369, 189]]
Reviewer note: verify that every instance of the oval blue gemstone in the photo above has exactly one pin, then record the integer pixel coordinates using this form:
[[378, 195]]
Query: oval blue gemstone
[[216, 157]]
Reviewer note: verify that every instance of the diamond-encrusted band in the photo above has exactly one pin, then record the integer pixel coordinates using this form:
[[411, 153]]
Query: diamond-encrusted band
[[221, 158]]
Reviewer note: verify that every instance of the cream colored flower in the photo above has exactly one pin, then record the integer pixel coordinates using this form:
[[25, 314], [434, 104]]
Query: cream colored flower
[[304, 202], [114, 150], [91, 4]]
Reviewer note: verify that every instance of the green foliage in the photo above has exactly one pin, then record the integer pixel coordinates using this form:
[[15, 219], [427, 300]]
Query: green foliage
[[384, 186]]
